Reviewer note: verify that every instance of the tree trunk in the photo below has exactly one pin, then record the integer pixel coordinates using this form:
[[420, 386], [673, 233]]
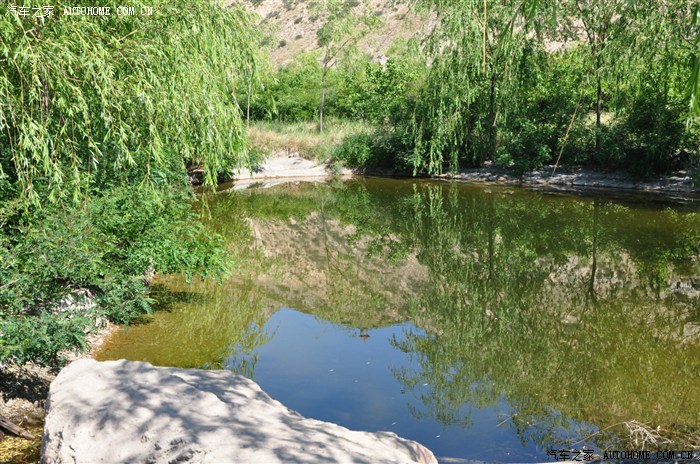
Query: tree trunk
[[247, 111], [599, 105], [323, 99]]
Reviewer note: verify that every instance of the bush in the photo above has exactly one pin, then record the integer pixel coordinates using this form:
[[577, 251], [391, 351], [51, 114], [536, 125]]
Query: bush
[[385, 147], [529, 148], [379, 94], [41, 339], [355, 151], [293, 95], [106, 246], [652, 134]]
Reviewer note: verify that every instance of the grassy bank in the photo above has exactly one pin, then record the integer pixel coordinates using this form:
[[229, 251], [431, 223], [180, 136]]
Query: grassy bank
[[303, 137]]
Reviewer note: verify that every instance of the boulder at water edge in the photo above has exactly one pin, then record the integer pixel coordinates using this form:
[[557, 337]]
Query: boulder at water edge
[[123, 411]]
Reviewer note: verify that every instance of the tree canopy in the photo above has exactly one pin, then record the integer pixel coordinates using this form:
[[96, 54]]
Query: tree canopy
[[491, 59], [100, 118], [87, 101]]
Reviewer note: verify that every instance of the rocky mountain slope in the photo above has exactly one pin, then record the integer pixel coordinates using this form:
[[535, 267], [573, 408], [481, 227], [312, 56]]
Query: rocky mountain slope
[[292, 26]]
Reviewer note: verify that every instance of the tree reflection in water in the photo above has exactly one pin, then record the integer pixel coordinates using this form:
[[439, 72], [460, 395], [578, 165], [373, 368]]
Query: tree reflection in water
[[573, 310], [565, 309]]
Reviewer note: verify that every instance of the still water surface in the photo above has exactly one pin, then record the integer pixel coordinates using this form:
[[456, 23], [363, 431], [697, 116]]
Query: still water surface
[[484, 322]]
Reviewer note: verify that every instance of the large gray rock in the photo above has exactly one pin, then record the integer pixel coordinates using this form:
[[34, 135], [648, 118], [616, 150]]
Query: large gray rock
[[121, 411]]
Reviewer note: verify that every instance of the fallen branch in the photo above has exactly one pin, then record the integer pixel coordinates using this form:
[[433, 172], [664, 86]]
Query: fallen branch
[[15, 429], [642, 434]]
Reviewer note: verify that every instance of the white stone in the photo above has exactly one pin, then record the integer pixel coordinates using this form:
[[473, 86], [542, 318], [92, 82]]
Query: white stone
[[122, 411]]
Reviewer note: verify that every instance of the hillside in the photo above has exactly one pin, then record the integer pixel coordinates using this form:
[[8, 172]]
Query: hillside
[[292, 26]]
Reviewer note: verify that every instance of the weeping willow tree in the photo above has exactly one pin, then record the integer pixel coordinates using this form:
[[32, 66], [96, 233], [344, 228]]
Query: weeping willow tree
[[601, 23], [501, 74], [86, 101], [476, 52], [100, 118], [638, 58]]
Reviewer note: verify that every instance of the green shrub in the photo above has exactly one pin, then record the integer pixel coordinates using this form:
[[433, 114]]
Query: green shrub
[[355, 151], [379, 94], [106, 246], [385, 147], [652, 134], [41, 338], [529, 148], [294, 93]]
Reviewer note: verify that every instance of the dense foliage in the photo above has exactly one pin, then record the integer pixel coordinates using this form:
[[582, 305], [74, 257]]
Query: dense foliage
[[358, 89], [100, 117], [601, 83], [523, 84]]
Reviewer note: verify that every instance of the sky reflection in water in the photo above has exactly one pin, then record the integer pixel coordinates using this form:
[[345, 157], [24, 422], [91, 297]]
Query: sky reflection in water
[[551, 315], [330, 373]]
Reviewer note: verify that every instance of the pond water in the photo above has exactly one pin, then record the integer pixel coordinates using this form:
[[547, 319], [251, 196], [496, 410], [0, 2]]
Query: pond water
[[487, 323]]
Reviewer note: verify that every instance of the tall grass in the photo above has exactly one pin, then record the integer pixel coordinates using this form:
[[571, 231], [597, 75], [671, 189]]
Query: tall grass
[[304, 138]]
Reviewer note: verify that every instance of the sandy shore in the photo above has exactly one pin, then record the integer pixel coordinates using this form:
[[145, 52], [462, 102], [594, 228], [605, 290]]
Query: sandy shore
[[289, 166]]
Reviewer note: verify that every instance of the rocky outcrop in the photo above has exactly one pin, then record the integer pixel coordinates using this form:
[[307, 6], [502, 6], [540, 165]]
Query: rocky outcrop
[[296, 25], [121, 411]]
